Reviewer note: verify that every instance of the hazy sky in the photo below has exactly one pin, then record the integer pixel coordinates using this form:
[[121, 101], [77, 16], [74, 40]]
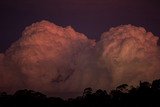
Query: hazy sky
[[91, 17]]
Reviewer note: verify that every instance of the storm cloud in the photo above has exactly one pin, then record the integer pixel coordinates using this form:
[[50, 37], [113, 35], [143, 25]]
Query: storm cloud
[[53, 59]]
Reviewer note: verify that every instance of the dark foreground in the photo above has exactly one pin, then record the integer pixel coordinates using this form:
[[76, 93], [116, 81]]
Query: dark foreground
[[145, 95]]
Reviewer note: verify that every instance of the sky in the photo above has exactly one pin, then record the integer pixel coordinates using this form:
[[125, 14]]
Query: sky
[[91, 17]]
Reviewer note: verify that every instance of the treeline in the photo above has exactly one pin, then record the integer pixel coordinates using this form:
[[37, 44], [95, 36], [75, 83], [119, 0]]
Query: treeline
[[144, 95]]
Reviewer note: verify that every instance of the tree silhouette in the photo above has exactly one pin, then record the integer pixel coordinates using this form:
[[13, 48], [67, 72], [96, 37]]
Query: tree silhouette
[[144, 95], [122, 88], [87, 91], [156, 84]]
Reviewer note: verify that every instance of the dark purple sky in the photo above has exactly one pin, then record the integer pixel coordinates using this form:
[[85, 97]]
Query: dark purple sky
[[91, 17]]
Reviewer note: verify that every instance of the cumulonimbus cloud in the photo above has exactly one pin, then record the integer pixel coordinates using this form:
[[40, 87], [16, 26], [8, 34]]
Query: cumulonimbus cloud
[[130, 54], [53, 59]]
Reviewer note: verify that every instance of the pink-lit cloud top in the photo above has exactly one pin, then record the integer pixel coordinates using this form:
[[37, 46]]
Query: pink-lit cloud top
[[52, 59]]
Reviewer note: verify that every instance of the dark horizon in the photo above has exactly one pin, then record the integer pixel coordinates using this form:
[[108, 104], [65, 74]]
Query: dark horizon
[[145, 94]]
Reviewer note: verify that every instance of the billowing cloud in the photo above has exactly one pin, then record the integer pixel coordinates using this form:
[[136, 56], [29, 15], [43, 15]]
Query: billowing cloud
[[130, 54], [46, 55], [53, 59]]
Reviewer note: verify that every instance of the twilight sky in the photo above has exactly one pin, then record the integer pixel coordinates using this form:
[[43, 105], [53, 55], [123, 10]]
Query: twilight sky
[[91, 17]]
